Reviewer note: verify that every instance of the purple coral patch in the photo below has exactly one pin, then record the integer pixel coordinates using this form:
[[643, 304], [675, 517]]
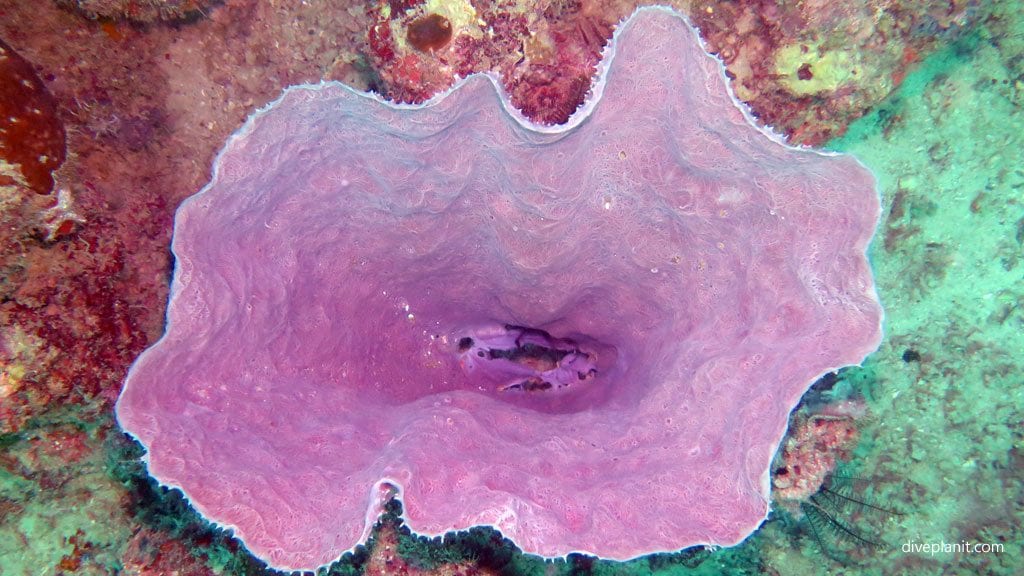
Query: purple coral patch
[[692, 274]]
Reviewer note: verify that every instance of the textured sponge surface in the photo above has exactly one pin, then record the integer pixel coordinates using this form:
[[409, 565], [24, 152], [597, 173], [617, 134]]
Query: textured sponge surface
[[588, 336]]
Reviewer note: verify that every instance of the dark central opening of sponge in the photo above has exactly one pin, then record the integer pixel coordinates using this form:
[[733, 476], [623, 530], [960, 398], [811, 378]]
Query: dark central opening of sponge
[[554, 327], [523, 359]]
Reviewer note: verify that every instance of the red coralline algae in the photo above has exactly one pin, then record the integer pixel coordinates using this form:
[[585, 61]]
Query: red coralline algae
[[385, 559], [151, 553], [411, 60], [559, 63], [861, 47], [31, 134], [588, 336], [812, 450]]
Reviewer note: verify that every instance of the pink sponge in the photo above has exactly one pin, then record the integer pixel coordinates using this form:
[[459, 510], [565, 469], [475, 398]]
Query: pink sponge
[[588, 336]]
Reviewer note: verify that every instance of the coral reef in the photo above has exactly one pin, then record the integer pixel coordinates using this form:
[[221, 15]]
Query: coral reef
[[385, 558], [806, 68], [145, 108], [814, 445], [85, 267], [139, 10]]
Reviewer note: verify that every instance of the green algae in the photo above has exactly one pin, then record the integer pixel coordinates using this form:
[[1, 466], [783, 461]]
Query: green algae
[[51, 511], [944, 434]]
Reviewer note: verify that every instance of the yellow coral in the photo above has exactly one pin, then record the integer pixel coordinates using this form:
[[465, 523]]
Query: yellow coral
[[21, 350], [829, 69]]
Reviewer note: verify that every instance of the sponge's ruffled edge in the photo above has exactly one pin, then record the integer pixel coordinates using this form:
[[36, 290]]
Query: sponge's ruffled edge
[[385, 487]]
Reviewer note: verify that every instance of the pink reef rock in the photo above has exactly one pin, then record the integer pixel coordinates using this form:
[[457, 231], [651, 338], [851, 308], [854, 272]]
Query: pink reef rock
[[588, 336]]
